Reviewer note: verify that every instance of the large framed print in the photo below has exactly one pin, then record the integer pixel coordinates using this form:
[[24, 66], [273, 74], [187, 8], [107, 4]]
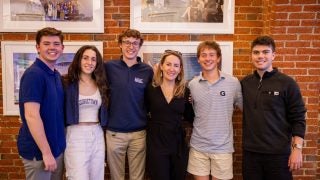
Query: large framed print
[[151, 52], [183, 16], [74, 16], [17, 56]]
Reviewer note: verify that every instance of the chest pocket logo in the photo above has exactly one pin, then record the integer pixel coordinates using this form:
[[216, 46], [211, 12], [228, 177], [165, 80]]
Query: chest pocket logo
[[138, 80]]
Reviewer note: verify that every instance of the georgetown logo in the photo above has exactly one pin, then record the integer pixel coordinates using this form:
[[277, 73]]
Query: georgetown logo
[[138, 80], [222, 93]]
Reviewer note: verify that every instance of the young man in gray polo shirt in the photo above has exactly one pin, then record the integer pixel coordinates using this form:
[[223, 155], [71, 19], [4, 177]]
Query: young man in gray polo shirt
[[215, 94]]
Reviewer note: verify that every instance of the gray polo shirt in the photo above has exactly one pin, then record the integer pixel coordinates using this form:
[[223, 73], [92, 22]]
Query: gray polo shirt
[[213, 105]]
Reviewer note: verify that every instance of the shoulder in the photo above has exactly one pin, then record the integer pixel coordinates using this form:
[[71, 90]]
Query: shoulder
[[247, 78], [230, 77], [112, 62], [33, 75], [284, 77], [194, 80]]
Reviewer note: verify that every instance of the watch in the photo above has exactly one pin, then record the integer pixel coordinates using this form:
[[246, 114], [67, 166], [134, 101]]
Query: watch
[[298, 146]]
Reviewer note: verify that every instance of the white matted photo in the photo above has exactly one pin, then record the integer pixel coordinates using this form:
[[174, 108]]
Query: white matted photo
[[17, 56], [76, 16], [183, 16], [151, 53]]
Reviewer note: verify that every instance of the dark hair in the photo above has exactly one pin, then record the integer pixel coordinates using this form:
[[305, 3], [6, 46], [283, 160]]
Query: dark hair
[[210, 45], [264, 40], [130, 33], [98, 74], [48, 31]]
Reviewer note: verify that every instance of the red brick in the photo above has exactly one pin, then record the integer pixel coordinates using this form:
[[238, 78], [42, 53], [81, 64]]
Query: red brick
[[287, 8], [302, 16], [303, 1]]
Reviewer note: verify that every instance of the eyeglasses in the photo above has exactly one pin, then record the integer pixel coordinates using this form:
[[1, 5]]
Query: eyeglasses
[[128, 43], [169, 51]]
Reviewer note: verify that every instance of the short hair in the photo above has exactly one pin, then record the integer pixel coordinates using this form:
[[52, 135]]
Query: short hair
[[130, 33], [264, 40], [210, 45], [48, 31]]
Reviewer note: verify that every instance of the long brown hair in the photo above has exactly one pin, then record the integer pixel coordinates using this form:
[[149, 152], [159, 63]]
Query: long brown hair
[[98, 74], [180, 84]]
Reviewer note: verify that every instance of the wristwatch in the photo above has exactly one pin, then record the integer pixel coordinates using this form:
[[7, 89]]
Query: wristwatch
[[298, 146]]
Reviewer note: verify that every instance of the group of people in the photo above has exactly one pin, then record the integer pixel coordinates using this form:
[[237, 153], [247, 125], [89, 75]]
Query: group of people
[[125, 109]]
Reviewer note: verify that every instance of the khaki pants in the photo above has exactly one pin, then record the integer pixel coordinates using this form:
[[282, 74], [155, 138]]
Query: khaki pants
[[34, 169], [120, 144]]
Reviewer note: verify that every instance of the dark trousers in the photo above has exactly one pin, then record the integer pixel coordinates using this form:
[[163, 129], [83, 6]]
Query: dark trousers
[[260, 166]]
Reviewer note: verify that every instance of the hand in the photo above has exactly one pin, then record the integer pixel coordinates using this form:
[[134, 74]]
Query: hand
[[295, 159], [50, 163]]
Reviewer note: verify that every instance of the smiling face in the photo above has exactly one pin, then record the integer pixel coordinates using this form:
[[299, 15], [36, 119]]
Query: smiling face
[[50, 49], [130, 47], [262, 57], [208, 60], [171, 68], [88, 61]]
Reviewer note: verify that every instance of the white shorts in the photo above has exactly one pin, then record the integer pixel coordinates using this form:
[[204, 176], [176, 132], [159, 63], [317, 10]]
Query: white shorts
[[201, 164]]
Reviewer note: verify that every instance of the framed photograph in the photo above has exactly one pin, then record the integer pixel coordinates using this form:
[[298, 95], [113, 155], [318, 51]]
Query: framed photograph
[[17, 56], [151, 52], [74, 16], [182, 16]]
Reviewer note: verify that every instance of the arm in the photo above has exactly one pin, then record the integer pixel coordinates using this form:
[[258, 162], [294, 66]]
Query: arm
[[295, 158], [188, 111], [34, 121], [238, 101], [296, 116]]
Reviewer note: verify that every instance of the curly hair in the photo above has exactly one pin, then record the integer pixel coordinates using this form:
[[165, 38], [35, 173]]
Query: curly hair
[[98, 74], [130, 33]]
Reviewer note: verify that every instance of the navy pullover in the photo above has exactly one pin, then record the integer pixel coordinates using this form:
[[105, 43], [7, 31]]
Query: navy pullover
[[127, 111]]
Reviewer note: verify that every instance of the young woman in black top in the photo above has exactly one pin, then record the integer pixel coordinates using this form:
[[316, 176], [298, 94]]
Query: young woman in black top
[[168, 105]]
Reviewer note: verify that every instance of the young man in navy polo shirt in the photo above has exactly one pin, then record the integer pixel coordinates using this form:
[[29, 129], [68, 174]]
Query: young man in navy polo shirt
[[41, 139], [128, 79]]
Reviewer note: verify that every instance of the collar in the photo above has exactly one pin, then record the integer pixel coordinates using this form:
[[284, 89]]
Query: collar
[[139, 61], [43, 66], [266, 74], [222, 76]]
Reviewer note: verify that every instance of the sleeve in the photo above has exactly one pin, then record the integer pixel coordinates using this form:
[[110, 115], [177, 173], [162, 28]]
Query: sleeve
[[188, 110], [238, 99], [31, 87], [296, 110], [146, 97]]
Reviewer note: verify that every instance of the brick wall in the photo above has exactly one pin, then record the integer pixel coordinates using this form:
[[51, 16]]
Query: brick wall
[[295, 26]]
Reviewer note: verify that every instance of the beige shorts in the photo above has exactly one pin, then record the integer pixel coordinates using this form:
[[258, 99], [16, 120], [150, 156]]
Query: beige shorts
[[201, 164]]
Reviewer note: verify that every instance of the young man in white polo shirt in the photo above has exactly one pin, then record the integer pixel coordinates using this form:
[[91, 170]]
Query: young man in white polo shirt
[[214, 94]]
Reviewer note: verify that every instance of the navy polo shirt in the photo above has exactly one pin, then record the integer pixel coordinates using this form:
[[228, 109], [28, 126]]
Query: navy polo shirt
[[42, 85]]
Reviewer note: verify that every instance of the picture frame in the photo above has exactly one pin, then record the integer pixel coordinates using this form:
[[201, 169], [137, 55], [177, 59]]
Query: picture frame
[[182, 16], [16, 56], [151, 52], [81, 16]]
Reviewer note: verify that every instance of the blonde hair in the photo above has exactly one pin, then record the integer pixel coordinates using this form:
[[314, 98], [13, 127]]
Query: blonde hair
[[179, 81]]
